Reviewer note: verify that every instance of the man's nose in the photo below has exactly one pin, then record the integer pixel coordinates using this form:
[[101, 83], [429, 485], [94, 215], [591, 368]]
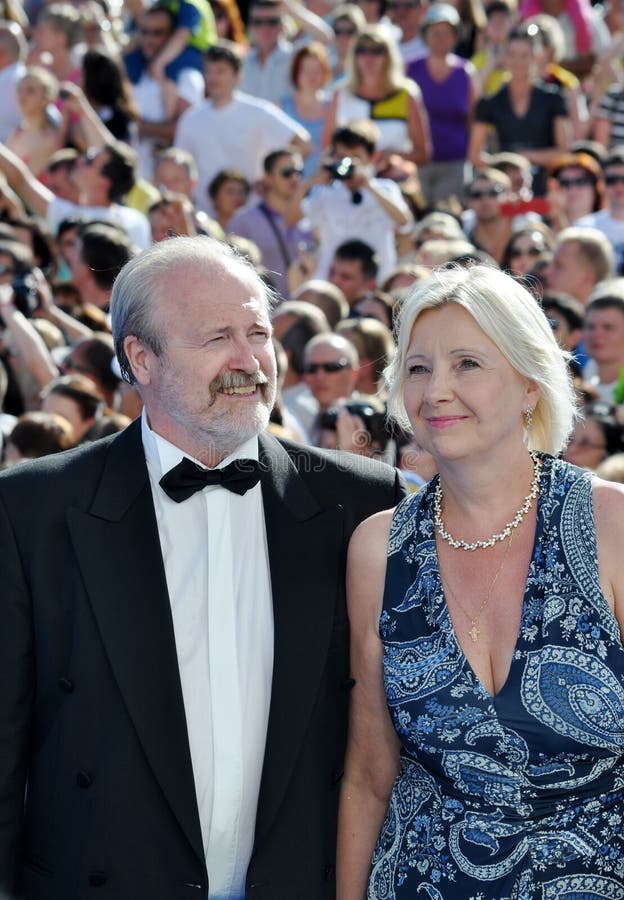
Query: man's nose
[[243, 357]]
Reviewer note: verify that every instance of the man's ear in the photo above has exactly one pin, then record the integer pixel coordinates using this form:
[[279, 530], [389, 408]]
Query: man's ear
[[141, 359]]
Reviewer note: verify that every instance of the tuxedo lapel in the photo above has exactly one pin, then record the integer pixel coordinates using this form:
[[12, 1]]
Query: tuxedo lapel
[[304, 543], [118, 550]]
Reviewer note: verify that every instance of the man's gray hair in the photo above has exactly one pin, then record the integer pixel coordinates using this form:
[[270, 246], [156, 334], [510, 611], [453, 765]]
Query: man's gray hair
[[137, 289]]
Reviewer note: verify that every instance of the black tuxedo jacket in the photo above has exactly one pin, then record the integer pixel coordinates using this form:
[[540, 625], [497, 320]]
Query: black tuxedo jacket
[[96, 784]]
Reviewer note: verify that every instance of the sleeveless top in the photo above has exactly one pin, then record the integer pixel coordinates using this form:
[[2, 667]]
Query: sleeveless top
[[447, 103], [517, 796], [388, 114]]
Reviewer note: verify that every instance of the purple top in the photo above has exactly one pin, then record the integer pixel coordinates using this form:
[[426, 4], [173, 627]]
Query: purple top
[[447, 103]]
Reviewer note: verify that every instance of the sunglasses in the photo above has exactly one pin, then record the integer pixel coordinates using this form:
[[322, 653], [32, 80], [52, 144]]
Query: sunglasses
[[271, 21], [413, 4], [344, 32], [486, 192], [370, 51], [614, 179], [289, 171], [329, 367], [530, 251], [581, 181], [6, 269]]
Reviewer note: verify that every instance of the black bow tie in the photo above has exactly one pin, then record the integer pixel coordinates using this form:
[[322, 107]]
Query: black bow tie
[[183, 480]]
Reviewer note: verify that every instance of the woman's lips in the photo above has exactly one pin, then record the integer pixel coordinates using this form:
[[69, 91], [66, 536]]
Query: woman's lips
[[445, 421]]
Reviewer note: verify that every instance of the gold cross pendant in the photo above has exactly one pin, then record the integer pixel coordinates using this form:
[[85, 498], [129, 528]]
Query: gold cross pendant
[[474, 633]]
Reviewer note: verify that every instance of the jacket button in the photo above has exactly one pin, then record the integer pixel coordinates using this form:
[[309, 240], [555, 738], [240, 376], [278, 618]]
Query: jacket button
[[337, 776], [329, 872], [97, 879], [66, 685], [348, 684], [83, 779]]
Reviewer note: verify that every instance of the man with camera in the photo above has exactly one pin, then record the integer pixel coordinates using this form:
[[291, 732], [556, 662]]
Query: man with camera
[[345, 200]]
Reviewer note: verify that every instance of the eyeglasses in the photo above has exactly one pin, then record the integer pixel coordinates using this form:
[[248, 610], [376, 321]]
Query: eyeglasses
[[154, 32], [271, 21], [486, 192], [370, 51], [289, 171], [329, 367], [585, 444], [610, 180], [530, 251], [581, 181], [344, 32]]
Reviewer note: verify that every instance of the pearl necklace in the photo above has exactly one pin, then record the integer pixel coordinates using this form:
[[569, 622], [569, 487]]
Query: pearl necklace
[[482, 545]]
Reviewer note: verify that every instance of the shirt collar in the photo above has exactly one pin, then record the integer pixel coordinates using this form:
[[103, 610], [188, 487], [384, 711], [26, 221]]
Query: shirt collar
[[162, 455]]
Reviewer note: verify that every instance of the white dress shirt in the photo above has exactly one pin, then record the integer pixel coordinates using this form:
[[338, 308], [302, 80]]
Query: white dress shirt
[[216, 561]]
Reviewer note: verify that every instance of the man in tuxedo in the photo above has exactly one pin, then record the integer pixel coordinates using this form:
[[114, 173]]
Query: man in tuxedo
[[173, 650]]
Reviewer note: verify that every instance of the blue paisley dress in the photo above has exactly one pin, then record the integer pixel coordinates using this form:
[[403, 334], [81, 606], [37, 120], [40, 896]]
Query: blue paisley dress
[[518, 795]]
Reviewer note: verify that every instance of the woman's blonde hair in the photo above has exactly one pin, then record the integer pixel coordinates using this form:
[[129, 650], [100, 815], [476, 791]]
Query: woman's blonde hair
[[512, 319], [394, 74]]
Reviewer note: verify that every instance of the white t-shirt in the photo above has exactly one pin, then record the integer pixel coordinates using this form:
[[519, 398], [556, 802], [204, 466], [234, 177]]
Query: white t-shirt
[[331, 212], [236, 136], [133, 221], [9, 113]]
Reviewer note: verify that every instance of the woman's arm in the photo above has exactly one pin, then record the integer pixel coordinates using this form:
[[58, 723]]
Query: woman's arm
[[562, 138], [372, 762], [476, 144], [602, 131], [418, 128], [608, 498], [330, 122]]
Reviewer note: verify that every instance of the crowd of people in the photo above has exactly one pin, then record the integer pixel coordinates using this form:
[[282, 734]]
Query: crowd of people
[[238, 236], [346, 150]]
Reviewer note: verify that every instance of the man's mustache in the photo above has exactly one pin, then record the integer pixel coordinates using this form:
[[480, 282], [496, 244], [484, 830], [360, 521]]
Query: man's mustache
[[237, 380]]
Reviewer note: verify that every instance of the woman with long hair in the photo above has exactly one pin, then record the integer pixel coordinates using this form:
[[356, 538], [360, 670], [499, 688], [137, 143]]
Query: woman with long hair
[[376, 88]]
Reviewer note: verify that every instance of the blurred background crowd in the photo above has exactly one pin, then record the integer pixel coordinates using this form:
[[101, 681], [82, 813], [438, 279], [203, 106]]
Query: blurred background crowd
[[347, 149]]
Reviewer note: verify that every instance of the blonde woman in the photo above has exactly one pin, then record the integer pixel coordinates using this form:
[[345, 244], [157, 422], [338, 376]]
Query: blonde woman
[[377, 89]]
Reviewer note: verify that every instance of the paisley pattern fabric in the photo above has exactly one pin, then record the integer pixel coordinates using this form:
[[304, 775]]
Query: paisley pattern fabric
[[518, 795]]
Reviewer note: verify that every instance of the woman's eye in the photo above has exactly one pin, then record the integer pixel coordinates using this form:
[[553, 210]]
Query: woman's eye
[[416, 369], [468, 364]]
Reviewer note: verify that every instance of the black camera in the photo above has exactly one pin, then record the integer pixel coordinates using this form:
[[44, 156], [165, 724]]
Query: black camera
[[341, 169], [25, 296], [364, 410]]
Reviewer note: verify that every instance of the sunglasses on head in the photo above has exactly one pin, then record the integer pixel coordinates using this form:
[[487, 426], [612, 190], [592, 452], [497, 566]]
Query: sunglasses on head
[[478, 193], [289, 171], [370, 50], [328, 367], [581, 181], [268, 20], [530, 251], [614, 179]]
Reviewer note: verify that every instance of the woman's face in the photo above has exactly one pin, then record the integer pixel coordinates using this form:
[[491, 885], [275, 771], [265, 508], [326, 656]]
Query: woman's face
[[578, 191], [371, 60], [311, 75], [520, 59], [230, 197], [587, 446], [440, 38], [524, 251], [462, 397], [221, 21], [31, 96]]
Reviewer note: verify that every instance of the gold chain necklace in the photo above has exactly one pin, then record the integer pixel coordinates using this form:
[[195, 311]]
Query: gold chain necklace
[[474, 630], [507, 530]]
